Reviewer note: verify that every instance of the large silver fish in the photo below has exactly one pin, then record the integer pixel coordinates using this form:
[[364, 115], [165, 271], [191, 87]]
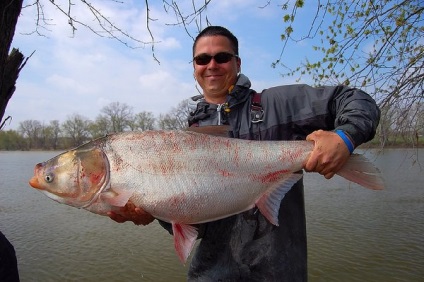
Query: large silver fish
[[183, 177]]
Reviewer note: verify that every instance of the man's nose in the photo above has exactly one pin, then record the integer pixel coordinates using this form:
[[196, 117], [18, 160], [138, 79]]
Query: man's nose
[[212, 64]]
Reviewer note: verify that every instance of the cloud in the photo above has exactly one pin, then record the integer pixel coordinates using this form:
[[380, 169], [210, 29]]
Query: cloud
[[81, 73]]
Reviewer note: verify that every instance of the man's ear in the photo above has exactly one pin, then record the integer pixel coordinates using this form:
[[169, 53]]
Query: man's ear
[[238, 64]]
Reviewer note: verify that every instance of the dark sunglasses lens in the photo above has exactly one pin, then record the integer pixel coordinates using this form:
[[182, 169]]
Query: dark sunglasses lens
[[222, 58], [203, 59]]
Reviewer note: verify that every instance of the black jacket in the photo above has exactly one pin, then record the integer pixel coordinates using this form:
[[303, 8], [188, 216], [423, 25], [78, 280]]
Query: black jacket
[[246, 247]]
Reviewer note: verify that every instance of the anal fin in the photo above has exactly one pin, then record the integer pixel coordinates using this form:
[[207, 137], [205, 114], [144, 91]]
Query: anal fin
[[269, 203], [184, 238]]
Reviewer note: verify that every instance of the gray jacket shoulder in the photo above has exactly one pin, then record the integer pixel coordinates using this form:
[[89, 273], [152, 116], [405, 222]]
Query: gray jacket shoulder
[[327, 108]]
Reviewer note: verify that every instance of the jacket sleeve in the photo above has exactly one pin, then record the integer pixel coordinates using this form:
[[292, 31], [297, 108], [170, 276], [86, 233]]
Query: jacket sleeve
[[304, 109], [356, 113]]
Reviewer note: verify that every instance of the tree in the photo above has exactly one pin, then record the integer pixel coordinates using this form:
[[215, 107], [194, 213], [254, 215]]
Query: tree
[[76, 128], [384, 128], [143, 121], [181, 113], [103, 26], [11, 140], [176, 118], [50, 135], [119, 116], [32, 130], [100, 127], [376, 45], [168, 122], [10, 65], [55, 129]]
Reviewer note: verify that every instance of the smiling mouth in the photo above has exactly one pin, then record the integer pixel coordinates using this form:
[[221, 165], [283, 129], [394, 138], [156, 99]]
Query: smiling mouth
[[213, 76]]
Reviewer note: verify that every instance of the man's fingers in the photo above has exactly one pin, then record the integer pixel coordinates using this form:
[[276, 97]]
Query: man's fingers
[[130, 212], [312, 163], [143, 218]]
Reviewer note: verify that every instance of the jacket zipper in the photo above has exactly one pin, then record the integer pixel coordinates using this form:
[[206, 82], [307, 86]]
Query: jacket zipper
[[218, 109]]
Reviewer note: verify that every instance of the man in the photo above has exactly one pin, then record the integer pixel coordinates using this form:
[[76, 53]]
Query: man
[[8, 262], [246, 247]]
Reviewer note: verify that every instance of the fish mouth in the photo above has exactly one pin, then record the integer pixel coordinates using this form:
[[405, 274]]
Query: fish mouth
[[35, 183], [34, 180]]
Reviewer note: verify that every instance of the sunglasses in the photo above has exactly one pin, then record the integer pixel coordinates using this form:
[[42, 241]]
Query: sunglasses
[[220, 58]]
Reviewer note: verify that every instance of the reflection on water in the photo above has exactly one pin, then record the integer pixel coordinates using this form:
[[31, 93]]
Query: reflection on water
[[354, 234]]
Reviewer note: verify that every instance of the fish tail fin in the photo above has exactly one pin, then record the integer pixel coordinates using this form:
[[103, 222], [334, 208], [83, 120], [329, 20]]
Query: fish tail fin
[[360, 170], [269, 203], [184, 238]]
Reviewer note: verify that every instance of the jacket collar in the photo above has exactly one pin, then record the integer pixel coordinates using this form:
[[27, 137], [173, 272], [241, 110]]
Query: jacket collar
[[240, 92]]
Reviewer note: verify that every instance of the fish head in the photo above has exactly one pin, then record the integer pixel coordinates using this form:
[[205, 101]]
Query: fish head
[[75, 178]]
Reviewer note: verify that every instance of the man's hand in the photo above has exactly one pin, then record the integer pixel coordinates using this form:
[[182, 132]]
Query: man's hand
[[329, 155], [130, 212]]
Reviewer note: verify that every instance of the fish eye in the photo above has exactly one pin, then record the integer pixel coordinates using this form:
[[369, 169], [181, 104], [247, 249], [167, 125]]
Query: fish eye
[[49, 178]]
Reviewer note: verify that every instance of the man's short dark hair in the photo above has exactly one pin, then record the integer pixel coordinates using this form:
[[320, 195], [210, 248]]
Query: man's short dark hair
[[215, 31]]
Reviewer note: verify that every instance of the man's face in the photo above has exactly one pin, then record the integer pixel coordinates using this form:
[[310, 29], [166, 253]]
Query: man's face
[[214, 78]]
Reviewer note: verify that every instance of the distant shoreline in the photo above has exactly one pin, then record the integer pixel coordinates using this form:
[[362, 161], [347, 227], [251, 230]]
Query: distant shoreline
[[391, 146]]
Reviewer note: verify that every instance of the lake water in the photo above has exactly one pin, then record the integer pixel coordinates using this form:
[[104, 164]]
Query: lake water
[[354, 234]]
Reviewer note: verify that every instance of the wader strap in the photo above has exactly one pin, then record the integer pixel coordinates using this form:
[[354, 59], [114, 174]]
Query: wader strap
[[256, 111]]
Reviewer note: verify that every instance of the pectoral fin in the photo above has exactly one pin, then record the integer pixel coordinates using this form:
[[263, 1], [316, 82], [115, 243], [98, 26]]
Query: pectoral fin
[[116, 197], [184, 238]]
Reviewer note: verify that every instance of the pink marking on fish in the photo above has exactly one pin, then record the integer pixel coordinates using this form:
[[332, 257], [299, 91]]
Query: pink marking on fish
[[225, 173], [273, 176], [95, 178]]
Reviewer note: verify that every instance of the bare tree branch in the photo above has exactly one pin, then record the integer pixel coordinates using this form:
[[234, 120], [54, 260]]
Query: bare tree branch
[[148, 19]]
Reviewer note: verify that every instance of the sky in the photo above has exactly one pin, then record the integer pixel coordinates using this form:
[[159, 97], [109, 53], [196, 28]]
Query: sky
[[80, 73]]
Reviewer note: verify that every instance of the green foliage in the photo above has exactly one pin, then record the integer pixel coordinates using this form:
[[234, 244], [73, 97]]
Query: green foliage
[[299, 3], [376, 45], [11, 140]]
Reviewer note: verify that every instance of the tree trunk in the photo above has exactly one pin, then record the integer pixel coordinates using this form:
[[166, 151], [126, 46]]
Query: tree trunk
[[10, 65]]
